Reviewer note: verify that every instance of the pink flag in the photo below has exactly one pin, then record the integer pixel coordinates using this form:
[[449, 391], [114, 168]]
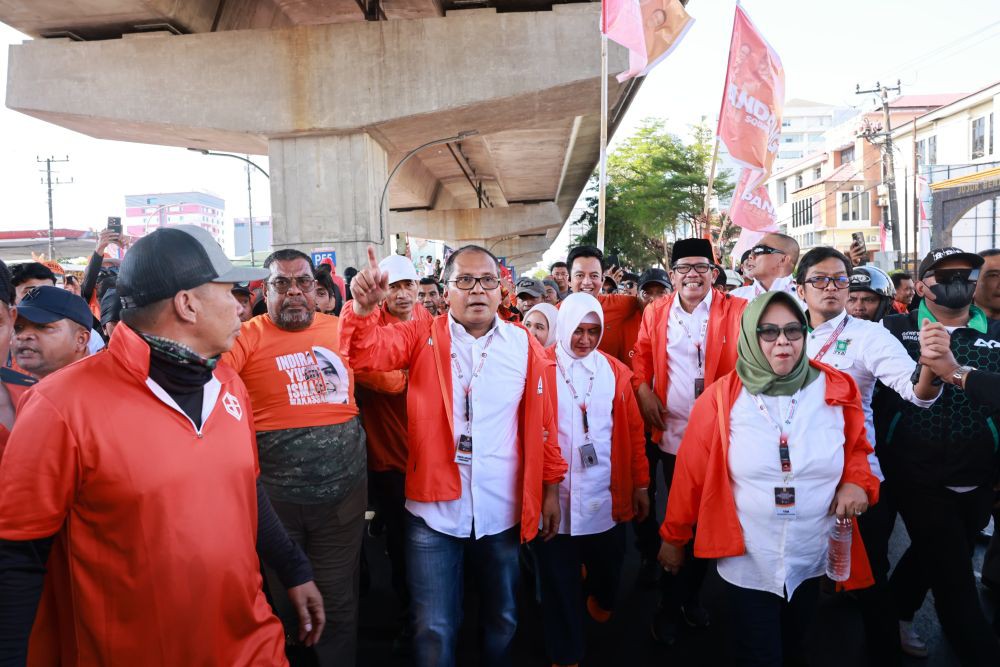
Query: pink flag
[[750, 120], [649, 29]]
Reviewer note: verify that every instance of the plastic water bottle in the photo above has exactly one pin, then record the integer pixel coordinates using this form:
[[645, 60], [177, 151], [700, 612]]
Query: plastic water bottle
[[838, 557]]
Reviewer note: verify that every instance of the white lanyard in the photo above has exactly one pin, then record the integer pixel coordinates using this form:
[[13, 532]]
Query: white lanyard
[[783, 453], [698, 344], [467, 388], [569, 383]]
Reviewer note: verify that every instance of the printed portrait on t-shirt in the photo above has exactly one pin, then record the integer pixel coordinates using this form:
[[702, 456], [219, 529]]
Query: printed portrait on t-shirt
[[333, 373]]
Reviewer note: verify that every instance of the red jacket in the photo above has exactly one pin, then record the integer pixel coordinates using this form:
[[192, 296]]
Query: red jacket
[[701, 492], [629, 465], [424, 347], [649, 361]]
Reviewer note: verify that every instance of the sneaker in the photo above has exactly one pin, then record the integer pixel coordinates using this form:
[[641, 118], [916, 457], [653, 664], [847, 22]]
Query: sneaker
[[649, 572], [663, 629], [695, 616], [910, 641]]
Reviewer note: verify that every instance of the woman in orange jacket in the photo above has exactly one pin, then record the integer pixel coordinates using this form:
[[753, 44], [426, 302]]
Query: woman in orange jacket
[[601, 437], [774, 450]]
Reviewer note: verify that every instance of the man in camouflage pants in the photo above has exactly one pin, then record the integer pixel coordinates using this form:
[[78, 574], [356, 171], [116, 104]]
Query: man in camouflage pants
[[310, 443]]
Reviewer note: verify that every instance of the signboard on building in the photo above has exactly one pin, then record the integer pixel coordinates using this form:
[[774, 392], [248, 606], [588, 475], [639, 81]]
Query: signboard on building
[[319, 254]]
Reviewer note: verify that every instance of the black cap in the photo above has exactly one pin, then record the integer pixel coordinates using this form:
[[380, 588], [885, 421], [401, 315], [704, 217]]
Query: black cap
[[658, 276], [692, 248], [46, 304], [111, 307], [935, 257], [530, 286], [172, 259], [745, 256], [242, 289]]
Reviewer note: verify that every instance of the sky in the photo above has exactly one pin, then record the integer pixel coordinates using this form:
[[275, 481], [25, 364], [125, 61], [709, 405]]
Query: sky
[[826, 49]]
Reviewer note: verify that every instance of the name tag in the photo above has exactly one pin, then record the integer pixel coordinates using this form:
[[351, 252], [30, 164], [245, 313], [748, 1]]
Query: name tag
[[784, 502], [463, 453], [588, 455], [699, 386]]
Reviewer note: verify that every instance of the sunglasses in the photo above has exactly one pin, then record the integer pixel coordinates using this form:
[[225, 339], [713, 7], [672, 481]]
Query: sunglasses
[[946, 276], [759, 250], [771, 332]]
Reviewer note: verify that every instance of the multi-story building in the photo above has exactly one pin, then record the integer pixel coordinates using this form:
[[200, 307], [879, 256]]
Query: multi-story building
[[144, 213], [261, 236], [804, 126]]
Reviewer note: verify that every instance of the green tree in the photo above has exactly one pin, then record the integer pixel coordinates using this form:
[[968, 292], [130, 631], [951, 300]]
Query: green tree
[[656, 184]]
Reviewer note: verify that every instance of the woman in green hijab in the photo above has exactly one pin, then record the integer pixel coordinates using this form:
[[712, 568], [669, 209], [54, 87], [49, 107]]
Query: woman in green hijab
[[772, 452]]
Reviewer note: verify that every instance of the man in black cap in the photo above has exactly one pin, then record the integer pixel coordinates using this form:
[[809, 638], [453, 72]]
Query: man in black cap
[[245, 298], [941, 461], [654, 284], [686, 342], [529, 293], [52, 330], [142, 460], [111, 311]]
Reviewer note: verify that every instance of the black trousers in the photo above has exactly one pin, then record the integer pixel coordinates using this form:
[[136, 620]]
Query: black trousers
[[564, 593], [647, 531], [387, 493], [943, 526], [877, 608], [762, 628]]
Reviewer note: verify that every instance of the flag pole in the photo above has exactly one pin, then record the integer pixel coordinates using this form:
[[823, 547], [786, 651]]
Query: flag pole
[[603, 171], [707, 232]]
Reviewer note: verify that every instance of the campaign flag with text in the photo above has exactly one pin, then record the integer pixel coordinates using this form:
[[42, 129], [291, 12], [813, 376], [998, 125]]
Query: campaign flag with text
[[649, 29], [750, 120]]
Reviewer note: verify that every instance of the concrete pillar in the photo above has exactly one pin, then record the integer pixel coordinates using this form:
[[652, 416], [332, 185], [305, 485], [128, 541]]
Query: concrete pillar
[[325, 192]]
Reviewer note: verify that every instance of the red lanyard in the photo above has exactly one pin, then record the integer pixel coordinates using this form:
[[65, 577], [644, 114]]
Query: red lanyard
[[832, 339], [461, 377], [576, 397]]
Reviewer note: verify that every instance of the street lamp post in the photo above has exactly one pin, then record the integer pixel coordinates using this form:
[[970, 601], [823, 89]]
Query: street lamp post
[[250, 163]]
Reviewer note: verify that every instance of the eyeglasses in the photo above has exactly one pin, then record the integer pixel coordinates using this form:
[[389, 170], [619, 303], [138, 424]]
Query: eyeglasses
[[759, 250], [822, 282], [771, 332], [282, 285], [685, 269], [945, 276], [468, 282]]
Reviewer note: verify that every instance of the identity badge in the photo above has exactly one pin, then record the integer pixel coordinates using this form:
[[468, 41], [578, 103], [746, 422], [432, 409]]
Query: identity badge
[[699, 386], [463, 453], [588, 455], [784, 502]]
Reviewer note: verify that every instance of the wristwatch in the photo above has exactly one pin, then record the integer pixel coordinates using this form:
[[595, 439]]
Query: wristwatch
[[959, 374]]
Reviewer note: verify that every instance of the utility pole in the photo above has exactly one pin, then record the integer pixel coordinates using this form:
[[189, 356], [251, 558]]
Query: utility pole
[[253, 259], [888, 165], [48, 182]]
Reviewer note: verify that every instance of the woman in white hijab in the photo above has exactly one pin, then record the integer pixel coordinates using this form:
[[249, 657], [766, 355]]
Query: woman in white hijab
[[540, 322], [601, 437]]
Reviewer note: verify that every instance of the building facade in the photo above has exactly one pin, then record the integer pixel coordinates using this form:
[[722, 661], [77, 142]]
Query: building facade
[[146, 212], [261, 236]]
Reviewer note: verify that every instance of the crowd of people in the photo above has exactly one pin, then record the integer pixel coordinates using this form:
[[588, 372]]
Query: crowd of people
[[191, 453]]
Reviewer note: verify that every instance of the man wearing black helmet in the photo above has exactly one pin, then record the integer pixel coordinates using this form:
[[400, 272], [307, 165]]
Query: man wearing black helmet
[[871, 294], [941, 461]]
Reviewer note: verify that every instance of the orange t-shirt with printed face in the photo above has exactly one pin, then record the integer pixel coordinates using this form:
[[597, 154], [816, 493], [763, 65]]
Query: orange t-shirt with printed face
[[295, 378]]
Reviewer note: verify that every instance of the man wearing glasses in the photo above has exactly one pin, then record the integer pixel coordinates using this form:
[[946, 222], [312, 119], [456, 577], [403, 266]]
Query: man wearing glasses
[[941, 462], [771, 263], [483, 466], [867, 352], [686, 341], [310, 442]]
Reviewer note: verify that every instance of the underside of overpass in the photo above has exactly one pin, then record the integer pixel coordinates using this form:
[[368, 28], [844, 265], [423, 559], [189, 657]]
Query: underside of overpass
[[337, 92]]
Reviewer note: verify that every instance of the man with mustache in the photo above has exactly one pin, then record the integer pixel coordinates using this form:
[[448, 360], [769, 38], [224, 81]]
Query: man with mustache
[[310, 442], [429, 295], [52, 330], [941, 461], [686, 341]]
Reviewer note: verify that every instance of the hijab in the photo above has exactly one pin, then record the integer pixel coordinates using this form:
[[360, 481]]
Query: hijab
[[573, 310], [550, 313], [752, 366]]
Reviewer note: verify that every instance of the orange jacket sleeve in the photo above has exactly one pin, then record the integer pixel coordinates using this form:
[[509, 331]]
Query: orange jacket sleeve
[[393, 382], [554, 466], [857, 470], [371, 347], [642, 360], [637, 438], [686, 488]]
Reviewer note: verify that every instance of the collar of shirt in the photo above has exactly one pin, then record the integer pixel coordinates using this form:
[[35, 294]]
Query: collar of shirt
[[704, 307], [781, 284], [830, 324], [567, 360], [460, 335]]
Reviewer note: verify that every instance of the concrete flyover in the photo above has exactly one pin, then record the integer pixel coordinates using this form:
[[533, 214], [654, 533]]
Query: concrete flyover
[[336, 93]]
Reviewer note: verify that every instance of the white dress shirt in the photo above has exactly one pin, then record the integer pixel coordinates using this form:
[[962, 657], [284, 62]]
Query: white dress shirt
[[867, 351], [490, 500], [781, 553], [684, 330], [585, 492], [783, 284]]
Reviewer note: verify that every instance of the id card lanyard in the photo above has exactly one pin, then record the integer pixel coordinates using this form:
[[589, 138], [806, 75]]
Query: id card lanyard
[[699, 346], [832, 339], [784, 496], [588, 453], [463, 452]]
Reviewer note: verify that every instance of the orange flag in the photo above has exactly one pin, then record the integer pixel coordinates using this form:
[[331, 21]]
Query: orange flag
[[649, 29]]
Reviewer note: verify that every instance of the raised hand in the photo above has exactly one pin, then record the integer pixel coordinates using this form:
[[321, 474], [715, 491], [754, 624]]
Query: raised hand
[[106, 238], [370, 286]]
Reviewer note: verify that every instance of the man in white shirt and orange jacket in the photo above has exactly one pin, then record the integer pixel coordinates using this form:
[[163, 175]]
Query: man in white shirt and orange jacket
[[484, 465], [687, 340]]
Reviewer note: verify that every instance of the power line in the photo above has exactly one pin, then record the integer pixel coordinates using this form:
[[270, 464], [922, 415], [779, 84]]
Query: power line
[[913, 62], [48, 182]]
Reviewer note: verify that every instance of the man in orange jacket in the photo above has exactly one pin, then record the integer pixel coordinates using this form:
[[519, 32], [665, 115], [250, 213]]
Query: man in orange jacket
[[686, 341], [482, 448]]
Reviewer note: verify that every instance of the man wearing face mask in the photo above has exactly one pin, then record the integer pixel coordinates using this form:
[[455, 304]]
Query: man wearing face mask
[[941, 461]]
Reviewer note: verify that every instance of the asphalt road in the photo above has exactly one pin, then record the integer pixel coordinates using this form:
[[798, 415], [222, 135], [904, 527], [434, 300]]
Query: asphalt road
[[626, 640]]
